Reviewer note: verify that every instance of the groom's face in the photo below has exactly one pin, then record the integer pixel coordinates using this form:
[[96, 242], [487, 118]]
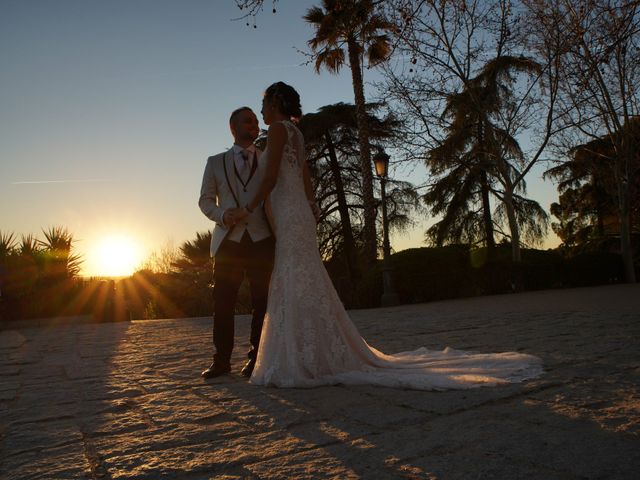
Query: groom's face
[[245, 127]]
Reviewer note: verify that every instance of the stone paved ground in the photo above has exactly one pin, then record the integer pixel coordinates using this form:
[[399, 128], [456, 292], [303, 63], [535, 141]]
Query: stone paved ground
[[114, 401]]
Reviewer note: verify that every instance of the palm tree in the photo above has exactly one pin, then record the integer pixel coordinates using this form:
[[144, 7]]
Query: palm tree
[[454, 196], [354, 26], [477, 151], [194, 255], [332, 141], [317, 129]]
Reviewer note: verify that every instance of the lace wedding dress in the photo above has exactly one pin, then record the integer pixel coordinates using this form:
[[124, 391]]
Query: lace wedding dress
[[309, 340]]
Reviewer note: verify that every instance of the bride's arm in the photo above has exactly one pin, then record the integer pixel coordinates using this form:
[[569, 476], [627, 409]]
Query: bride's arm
[[276, 139]]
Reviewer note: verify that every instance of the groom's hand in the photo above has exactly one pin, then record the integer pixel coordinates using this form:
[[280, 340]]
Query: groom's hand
[[228, 217], [237, 214], [240, 214]]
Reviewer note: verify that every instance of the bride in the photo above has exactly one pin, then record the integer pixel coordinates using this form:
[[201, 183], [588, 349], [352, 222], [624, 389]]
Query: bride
[[308, 339]]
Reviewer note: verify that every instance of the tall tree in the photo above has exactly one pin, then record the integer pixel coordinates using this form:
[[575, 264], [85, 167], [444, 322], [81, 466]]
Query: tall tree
[[475, 155], [501, 151], [319, 130], [597, 43], [332, 150], [347, 31], [470, 92], [588, 198]]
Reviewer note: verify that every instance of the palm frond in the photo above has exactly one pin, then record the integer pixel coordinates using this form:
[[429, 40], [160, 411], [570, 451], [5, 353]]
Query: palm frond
[[314, 15], [378, 50], [331, 59]]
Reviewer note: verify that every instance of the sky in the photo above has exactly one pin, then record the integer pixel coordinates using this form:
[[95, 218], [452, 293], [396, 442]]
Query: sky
[[109, 110]]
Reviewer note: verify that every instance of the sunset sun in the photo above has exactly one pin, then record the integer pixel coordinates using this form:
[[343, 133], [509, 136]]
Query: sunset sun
[[116, 256]]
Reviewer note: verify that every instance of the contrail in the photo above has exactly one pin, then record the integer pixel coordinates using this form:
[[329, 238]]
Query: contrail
[[261, 67], [34, 182], [239, 68]]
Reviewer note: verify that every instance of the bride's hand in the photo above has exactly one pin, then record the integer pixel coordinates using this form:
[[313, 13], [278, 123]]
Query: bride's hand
[[228, 218], [234, 215], [240, 214]]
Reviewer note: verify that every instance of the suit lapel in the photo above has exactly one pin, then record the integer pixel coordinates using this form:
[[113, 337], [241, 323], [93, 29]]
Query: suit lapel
[[256, 165], [228, 165]]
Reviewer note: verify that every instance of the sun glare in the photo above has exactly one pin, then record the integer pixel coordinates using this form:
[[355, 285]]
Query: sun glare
[[116, 256]]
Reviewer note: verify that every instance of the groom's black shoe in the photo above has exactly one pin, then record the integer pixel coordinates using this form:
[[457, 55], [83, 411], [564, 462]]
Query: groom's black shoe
[[247, 370], [216, 370]]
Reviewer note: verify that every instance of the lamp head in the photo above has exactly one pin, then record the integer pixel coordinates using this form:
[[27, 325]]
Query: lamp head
[[381, 162]]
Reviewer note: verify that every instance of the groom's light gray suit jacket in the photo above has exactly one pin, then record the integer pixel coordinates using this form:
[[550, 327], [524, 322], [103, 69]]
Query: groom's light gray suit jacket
[[221, 190]]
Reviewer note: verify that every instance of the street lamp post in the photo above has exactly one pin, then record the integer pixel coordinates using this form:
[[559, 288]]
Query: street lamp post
[[389, 296]]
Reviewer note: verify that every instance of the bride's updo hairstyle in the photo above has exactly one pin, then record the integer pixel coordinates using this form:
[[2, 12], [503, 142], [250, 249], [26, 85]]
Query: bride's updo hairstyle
[[286, 98]]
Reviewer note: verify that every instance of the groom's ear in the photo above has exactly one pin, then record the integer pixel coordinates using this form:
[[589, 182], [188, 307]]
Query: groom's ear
[[232, 127]]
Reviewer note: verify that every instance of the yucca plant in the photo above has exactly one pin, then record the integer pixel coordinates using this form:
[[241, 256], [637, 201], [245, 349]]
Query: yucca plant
[[59, 261], [29, 245], [7, 244]]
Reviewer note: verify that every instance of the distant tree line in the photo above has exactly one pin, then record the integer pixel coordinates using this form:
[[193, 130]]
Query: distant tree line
[[176, 283]]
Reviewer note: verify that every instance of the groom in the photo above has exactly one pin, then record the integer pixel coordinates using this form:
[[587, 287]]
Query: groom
[[239, 247]]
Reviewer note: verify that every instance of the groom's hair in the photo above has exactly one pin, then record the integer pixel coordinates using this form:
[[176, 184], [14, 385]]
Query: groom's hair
[[236, 112]]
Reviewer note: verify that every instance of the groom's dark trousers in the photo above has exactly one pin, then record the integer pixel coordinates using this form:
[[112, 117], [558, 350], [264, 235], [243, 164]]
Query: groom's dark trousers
[[232, 261]]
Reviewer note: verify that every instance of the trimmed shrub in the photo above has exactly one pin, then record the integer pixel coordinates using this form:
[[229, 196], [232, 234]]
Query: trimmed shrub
[[436, 273]]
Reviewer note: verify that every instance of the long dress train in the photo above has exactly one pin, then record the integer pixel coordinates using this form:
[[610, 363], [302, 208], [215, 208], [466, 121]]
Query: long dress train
[[308, 338]]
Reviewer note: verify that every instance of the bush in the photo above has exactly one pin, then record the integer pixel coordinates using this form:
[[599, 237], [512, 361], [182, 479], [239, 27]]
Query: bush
[[427, 274], [594, 268], [455, 271]]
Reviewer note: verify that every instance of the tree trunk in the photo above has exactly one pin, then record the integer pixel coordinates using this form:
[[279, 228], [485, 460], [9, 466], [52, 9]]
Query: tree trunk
[[486, 214], [345, 220], [625, 246], [370, 237], [516, 255], [517, 280], [512, 216], [623, 184], [484, 190]]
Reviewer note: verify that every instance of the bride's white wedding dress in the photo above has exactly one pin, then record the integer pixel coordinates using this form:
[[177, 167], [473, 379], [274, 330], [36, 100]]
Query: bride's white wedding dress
[[309, 340]]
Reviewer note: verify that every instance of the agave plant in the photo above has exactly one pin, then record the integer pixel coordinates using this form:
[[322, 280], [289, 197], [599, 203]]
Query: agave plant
[[29, 245], [59, 261], [7, 248], [7, 244]]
